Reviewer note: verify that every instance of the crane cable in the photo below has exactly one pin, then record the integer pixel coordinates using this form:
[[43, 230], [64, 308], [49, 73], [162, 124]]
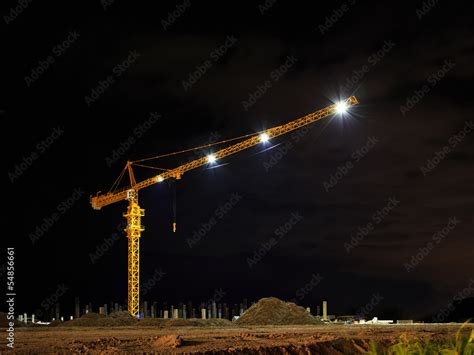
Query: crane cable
[[197, 148], [118, 180], [151, 167], [174, 205]]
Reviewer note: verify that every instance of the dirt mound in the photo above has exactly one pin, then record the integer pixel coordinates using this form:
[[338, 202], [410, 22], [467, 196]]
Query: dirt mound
[[193, 322], [171, 341], [121, 315], [4, 321], [92, 315], [273, 311], [90, 319], [112, 345]]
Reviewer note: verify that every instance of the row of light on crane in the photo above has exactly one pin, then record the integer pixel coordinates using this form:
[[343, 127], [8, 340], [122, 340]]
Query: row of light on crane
[[263, 137], [341, 108]]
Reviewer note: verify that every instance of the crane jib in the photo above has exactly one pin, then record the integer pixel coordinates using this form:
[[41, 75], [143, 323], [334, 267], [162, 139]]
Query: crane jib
[[106, 199]]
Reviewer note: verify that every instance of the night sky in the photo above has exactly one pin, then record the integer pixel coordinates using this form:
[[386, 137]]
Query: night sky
[[377, 203]]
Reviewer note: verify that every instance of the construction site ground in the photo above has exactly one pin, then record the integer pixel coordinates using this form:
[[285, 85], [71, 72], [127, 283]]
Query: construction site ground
[[218, 339]]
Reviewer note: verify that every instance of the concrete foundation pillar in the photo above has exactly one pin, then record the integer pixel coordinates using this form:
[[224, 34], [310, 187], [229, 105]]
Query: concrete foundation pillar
[[203, 313], [175, 313], [58, 312], [77, 308], [325, 310], [214, 309], [165, 314]]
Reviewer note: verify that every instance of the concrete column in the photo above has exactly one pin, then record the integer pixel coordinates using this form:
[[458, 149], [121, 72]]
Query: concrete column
[[189, 310], [325, 310], [165, 314], [203, 313], [226, 311], [214, 309], [25, 318], [152, 311], [106, 306], [77, 308], [57, 311], [33, 318], [175, 313], [101, 310]]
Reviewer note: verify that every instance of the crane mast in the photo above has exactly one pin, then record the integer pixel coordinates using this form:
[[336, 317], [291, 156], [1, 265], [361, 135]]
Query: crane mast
[[130, 193]]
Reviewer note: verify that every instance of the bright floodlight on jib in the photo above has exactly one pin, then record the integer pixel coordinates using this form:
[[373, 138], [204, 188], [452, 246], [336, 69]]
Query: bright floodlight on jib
[[341, 107], [264, 137], [211, 158]]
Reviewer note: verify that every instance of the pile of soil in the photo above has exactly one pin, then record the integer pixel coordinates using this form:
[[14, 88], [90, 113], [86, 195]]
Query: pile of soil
[[4, 321], [169, 341], [192, 322], [118, 319], [115, 319], [273, 311], [112, 345]]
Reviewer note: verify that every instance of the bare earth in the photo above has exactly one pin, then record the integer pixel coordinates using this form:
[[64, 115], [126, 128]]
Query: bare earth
[[300, 339]]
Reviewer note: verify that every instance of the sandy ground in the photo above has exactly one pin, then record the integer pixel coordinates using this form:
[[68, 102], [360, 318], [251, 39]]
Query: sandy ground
[[310, 339]]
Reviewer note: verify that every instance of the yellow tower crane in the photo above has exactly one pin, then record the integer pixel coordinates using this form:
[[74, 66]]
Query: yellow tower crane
[[130, 193]]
